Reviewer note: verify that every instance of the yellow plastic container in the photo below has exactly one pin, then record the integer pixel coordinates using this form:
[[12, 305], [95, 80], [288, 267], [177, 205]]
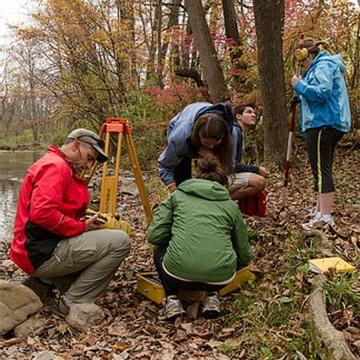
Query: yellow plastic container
[[241, 276], [152, 289]]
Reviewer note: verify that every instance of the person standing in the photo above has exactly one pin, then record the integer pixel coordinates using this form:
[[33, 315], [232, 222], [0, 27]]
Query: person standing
[[325, 118], [52, 241]]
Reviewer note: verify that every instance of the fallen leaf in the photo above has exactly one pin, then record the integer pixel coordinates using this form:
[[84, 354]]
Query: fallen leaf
[[117, 331], [193, 309], [119, 346]]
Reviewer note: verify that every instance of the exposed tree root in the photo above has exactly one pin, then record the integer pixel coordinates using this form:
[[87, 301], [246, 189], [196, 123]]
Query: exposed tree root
[[333, 339]]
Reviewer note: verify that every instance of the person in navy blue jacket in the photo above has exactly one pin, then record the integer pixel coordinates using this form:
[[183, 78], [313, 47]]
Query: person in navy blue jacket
[[325, 117], [199, 128], [248, 179]]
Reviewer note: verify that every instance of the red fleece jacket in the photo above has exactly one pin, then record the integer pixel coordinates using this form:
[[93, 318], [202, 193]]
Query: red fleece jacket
[[53, 199]]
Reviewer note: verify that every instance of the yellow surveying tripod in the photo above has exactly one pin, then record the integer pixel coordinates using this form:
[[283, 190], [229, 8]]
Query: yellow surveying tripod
[[107, 216]]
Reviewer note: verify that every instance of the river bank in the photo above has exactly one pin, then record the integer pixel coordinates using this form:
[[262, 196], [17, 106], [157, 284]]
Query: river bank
[[22, 147], [13, 165]]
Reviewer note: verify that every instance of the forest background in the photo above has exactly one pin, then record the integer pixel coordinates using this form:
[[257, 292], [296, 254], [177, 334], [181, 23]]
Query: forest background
[[81, 61]]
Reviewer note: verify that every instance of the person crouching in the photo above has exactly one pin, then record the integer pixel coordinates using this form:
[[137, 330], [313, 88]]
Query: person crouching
[[200, 238]]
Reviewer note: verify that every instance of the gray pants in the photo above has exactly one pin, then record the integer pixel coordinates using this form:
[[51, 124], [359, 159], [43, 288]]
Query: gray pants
[[83, 266]]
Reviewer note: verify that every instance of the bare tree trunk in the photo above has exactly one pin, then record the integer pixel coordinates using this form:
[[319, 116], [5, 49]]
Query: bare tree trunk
[[159, 69], [354, 83], [151, 39], [210, 64], [172, 24], [125, 12], [234, 42], [29, 66], [185, 55], [268, 21]]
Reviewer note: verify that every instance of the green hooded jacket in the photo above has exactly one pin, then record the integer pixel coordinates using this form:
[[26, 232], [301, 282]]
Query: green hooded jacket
[[205, 231]]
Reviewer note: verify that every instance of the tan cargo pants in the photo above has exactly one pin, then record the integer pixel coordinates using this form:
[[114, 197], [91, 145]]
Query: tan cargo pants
[[82, 267]]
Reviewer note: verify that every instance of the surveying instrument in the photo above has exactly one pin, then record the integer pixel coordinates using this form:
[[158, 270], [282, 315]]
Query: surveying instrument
[[108, 218]]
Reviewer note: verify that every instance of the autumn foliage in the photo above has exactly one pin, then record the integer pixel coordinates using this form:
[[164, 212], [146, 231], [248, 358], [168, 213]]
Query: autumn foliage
[[81, 61]]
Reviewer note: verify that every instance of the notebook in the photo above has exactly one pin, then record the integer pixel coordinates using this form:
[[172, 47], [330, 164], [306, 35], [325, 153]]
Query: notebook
[[325, 264]]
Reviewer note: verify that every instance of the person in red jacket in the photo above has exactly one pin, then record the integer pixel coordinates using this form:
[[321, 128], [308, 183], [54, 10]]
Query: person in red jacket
[[52, 240]]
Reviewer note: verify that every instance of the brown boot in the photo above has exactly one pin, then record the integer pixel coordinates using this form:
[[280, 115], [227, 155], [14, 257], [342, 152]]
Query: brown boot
[[61, 309], [42, 290]]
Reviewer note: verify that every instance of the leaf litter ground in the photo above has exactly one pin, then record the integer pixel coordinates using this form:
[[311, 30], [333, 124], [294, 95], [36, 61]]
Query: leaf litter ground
[[267, 319]]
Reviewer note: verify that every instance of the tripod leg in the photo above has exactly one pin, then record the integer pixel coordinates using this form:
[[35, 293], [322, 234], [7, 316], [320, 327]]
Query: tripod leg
[[138, 177], [109, 183]]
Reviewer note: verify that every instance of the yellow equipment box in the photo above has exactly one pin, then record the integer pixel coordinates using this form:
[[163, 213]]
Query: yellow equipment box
[[148, 284]]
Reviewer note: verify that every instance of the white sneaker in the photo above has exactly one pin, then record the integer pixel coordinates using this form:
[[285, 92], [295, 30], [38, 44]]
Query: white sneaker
[[211, 306], [329, 220], [318, 222], [312, 213], [313, 224], [172, 307]]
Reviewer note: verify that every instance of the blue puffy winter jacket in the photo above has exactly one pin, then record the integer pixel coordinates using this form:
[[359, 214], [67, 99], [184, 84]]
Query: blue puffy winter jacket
[[179, 133], [323, 95]]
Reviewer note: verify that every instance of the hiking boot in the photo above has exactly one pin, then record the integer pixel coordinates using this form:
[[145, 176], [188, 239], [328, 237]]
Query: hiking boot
[[172, 308], [40, 288], [211, 306], [62, 308]]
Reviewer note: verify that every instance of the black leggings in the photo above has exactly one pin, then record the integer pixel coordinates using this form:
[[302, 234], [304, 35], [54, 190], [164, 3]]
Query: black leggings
[[321, 143], [171, 284], [182, 171]]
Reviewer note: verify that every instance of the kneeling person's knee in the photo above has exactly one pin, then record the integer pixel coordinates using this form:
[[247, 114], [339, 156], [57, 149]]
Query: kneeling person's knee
[[121, 242], [257, 181]]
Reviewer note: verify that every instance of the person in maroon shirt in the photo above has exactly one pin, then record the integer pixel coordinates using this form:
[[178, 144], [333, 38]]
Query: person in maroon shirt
[[52, 241]]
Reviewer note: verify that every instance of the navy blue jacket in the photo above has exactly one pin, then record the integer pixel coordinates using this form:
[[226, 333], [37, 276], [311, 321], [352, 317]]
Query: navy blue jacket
[[239, 140], [179, 133]]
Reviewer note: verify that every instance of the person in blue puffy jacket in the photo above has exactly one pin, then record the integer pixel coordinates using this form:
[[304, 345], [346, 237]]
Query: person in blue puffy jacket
[[325, 117], [196, 130]]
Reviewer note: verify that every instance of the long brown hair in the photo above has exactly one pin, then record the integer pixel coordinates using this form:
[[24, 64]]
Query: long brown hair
[[209, 167], [213, 126]]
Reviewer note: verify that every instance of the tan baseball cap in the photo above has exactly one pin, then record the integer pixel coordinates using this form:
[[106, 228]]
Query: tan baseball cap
[[89, 137]]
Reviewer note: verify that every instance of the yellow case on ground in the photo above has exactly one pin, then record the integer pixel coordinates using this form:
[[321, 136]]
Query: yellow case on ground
[[153, 290], [241, 276], [325, 264], [150, 288]]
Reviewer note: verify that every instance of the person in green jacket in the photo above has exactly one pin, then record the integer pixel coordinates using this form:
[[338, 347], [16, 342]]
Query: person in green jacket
[[200, 238]]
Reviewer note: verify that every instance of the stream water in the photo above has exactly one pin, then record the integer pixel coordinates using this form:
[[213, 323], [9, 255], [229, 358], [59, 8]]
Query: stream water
[[13, 166]]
